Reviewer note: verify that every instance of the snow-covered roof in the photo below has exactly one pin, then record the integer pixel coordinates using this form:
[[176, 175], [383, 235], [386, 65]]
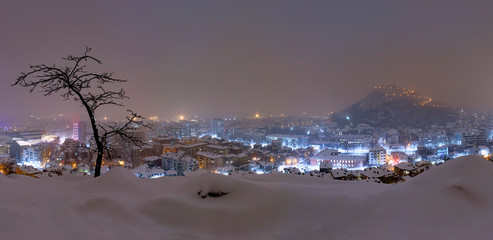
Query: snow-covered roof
[[376, 172], [151, 158], [422, 163], [265, 164], [338, 173], [29, 170], [191, 145], [209, 155], [171, 155], [405, 166], [324, 154], [171, 173], [219, 147], [188, 159], [377, 149], [6, 160], [243, 154], [146, 172], [340, 158]]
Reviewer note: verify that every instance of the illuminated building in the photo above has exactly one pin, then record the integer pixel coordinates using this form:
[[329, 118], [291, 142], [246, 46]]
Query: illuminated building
[[442, 152], [340, 161], [28, 171], [4, 144], [323, 155], [209, 161], [392, 136], [408, 169], [484, 151], [289, 161], [192, 149], [237, 149], [474, 138], [217, 149], [69, 149], [377, 156], [14, 150], [294, 141], [153, 161], [164, 144], [217, 126], [30, 135], [136, 154], [179, 162], [164, 140], [79, 132], [353, 140], [7, 165], [144, 171], [4, 149], [179, 130], [330, 159], [166, 148], [396, 158], [32, 154], [139, 133]]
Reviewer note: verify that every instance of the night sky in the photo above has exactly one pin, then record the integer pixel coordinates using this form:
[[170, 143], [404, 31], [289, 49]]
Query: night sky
[[216, 57]]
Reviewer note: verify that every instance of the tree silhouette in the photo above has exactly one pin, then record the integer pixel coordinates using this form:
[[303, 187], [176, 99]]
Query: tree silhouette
[[75, 83]]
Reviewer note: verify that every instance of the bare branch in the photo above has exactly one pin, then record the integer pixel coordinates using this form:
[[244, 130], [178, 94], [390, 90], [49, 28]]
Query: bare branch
[[74, 82]]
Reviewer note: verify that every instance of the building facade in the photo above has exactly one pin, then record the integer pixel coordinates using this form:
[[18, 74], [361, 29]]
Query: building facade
[[377, 156], [79, 132]]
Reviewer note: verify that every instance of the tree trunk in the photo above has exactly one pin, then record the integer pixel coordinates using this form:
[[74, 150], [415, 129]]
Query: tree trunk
[[99, 159], [99, 143]]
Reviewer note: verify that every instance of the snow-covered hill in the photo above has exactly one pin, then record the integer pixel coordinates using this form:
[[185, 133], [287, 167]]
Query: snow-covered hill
[[452, 201]]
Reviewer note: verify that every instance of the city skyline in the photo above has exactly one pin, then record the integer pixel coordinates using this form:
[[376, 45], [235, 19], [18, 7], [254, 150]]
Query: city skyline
[[246, 119], [217, 58]]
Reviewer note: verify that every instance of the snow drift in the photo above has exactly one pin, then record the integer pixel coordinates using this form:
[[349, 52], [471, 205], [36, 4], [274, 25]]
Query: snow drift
[[452, 201]]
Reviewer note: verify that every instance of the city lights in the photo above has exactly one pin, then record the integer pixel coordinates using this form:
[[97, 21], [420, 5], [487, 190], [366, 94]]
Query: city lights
[[246, 120]]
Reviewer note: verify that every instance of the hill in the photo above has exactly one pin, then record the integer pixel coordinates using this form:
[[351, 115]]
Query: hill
[[394, 106]]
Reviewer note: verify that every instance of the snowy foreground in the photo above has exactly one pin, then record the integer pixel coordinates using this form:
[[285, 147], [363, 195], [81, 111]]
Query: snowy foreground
[[451, 201]]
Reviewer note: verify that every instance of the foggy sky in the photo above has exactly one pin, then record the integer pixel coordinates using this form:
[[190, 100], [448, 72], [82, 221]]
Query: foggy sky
[[216, 57]]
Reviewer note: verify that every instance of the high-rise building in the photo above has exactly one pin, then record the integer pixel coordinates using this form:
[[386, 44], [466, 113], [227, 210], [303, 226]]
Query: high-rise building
[[14, 150], [217, 126], [79, 132], [377, 156]]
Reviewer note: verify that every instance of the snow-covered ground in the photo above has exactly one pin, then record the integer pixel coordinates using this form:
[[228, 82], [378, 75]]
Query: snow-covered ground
[[451, 201]]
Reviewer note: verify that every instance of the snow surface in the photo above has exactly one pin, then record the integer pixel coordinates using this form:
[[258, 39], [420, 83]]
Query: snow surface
[[451, 201]]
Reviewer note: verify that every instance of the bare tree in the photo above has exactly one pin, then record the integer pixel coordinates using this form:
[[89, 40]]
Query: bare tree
[[74, 82]]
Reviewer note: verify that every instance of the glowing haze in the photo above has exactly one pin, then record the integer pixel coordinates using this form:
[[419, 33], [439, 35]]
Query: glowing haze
[[215, 58]]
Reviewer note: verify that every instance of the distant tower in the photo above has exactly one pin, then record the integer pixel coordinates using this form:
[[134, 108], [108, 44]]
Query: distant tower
[[217, 126], [79, 132]]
